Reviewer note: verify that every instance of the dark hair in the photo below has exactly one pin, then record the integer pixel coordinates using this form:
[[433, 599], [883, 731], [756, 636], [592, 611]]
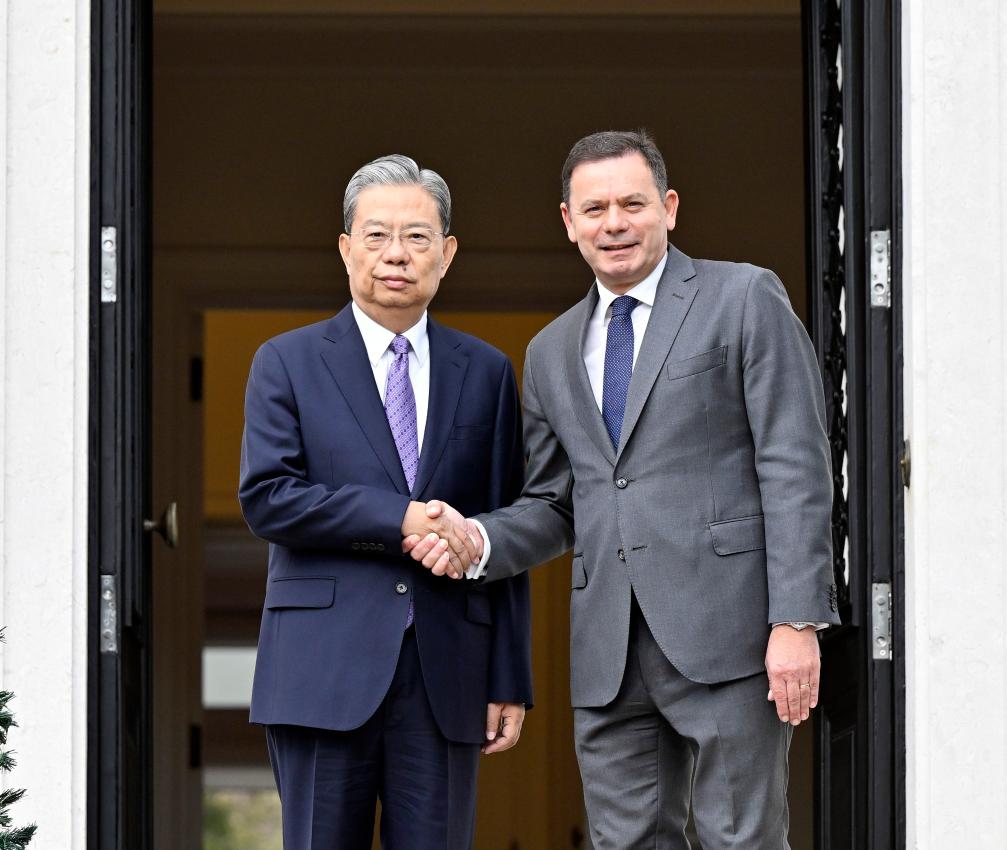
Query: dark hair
[[615, 143]]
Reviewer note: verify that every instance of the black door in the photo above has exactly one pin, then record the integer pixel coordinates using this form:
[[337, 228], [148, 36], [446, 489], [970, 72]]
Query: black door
[[851, 79], [119, 439]]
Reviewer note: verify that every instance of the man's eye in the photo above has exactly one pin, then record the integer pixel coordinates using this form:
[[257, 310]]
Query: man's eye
[[634, 205]]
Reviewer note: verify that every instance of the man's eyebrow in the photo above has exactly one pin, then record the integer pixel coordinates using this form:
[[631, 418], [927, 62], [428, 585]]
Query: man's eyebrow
[[624, 199], [374, 222]]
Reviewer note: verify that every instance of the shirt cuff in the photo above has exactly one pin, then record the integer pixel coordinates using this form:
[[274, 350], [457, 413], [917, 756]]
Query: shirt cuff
[[816, 626], [479, 570]]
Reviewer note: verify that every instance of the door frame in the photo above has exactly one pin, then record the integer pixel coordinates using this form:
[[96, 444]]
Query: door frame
[[119, 738]]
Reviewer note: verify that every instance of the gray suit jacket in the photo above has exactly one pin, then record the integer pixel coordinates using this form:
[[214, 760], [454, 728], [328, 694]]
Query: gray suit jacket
[[715, 509]]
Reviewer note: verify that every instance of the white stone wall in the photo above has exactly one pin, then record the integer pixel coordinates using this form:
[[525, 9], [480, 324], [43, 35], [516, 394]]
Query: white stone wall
[[955, 181], [44, 157]]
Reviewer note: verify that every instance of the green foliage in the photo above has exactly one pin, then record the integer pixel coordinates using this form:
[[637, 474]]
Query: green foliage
[[11, 837], [237, 819]]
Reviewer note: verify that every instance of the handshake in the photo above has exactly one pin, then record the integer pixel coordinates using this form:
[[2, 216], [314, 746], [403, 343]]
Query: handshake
[[440, 538]]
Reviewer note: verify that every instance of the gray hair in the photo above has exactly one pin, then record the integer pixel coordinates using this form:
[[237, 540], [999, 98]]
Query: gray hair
[[610, 145], [397, 170]]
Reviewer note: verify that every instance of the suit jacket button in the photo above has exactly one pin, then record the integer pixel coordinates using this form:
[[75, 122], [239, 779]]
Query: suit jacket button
[[621, 483], [622, 554], [401, 588]]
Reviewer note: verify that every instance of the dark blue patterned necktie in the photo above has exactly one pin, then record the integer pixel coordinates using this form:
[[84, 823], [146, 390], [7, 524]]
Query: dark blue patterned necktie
[[618, 365]]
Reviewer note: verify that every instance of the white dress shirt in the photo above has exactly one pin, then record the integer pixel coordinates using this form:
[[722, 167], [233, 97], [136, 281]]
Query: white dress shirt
[[596, 338], [377, 340]]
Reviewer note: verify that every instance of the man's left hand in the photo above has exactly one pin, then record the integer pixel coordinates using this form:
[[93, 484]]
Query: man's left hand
[[503, 726], [431, 551], [794, 666]]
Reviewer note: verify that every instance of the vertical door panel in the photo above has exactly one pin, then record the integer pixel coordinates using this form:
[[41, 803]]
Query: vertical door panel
[[850, 67], [119, 699]]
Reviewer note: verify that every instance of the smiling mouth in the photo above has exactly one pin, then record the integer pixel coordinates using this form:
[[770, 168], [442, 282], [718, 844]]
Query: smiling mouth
[[622, 246]]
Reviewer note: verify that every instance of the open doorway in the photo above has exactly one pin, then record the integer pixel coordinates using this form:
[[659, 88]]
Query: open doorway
[[259, 119]]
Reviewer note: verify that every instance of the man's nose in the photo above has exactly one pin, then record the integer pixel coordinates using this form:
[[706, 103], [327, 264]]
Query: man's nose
[[615, 221], [395, 251]]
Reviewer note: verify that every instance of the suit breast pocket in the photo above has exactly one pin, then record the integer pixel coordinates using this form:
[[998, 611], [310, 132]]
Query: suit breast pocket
[[699, 363]]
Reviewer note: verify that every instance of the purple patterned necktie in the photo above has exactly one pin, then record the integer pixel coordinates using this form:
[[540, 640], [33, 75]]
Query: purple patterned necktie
[[400, 408]]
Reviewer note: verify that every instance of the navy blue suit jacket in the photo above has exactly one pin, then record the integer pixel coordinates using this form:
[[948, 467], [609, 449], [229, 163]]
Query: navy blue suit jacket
[[322, 482]]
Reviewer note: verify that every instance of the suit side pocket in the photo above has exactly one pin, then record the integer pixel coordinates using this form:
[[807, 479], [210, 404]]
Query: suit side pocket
[[578, 574], [744, 534]]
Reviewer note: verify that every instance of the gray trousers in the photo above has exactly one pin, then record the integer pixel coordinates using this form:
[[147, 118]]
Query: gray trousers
[[665, 740]]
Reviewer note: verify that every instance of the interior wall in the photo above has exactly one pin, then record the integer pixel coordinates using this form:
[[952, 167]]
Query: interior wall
[[480, 7], [260, 122]]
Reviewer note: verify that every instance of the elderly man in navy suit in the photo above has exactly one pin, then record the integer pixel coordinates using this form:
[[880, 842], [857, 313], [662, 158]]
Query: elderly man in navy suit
[[374, 679]]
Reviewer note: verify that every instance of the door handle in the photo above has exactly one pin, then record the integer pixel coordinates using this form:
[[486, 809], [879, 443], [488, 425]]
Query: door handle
[[167, 527]]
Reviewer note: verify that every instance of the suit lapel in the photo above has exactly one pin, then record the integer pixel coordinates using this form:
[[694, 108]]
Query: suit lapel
[[580, 383], [674, 297], [346, 359], [448, 365]]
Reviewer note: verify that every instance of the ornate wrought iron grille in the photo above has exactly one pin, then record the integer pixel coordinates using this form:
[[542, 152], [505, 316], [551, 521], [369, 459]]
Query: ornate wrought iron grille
[[831, 266]]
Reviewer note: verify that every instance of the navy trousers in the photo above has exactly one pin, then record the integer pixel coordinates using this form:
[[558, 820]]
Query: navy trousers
[[330, 781]]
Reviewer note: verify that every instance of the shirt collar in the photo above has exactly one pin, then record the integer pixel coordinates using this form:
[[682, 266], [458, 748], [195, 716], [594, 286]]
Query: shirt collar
[[377, 338], [645, 291]]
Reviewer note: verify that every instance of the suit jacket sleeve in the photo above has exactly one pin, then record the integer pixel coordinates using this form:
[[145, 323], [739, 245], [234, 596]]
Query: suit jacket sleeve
[[786, 413], [510, 662], [278, 501], [539, 525]]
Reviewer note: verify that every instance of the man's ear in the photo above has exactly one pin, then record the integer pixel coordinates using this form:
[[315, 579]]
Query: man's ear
[[450, 248], [671, 208], [564, 211], [344, 249]]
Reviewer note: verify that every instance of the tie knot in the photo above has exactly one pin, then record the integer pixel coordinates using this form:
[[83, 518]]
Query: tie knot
[[400, 345], [623, 305]]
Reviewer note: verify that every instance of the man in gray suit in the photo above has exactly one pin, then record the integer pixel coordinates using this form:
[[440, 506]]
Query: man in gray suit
[[675, 431]]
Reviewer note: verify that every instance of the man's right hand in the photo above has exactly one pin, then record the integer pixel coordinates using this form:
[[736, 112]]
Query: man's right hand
[[439, 528], [427, 550]]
